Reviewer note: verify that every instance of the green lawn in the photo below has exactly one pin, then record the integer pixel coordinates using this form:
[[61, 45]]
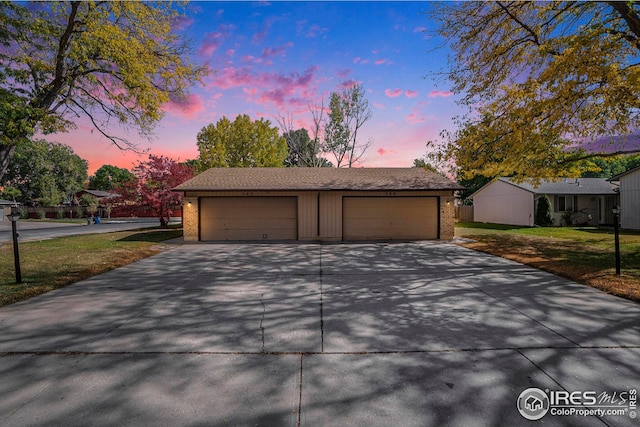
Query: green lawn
[[584, 254], [54, 263]]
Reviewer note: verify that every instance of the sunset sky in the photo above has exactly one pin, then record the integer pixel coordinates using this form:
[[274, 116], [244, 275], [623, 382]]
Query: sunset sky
[[279, 57]]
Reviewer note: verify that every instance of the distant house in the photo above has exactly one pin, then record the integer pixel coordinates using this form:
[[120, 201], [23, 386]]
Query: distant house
[[504, 201], [98, 194], [5, 209], [629, 198], [325, 204], [104, 207]]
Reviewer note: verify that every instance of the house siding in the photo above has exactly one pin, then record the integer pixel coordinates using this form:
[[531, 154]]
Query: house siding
[[630, 200], [587, 204], [319, 212], [502, 203]]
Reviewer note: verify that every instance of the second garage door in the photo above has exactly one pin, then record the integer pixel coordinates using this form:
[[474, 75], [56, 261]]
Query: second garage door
[[371, 218], [248, 218]]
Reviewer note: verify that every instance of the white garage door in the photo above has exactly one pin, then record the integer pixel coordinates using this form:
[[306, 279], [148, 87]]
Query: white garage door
[[248, 218], [371, 218]]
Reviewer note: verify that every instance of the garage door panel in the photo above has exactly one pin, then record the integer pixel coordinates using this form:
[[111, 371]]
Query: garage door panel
[[248, 218], [369, 218]]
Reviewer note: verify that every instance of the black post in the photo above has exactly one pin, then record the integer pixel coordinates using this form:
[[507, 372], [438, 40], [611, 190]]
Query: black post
[[616, 232], [16, 252]]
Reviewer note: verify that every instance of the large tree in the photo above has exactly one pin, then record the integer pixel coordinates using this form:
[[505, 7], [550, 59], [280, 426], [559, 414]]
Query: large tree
[[107, 61], [44, 172], [153, 187], [303, 151], [542, 80], [107, 177], [241, 143], [348, 111]]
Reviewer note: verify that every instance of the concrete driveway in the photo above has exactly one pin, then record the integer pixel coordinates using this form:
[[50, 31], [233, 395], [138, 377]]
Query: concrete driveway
[[404, 334]]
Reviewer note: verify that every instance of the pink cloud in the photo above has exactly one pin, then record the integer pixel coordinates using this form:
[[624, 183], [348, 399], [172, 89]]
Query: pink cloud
[[344, 73], [268, 53], [211, 42], [436, 93], [316, 31], [411, 94], [269, 88], [188, 108], [383, 152], [415, 117], [393, 93], [250, 91], [181, 23], [380, 61], [379, 105], [358, 60], [349, 83]]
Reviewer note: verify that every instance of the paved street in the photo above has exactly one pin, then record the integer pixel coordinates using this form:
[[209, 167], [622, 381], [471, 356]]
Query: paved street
[[403, 334], [29, 231]]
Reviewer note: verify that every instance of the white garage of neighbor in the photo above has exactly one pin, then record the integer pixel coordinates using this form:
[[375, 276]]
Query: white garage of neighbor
[[318, 204]]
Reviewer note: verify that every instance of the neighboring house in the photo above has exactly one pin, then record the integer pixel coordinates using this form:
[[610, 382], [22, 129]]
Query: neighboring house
[[102, 196], [323, 204], [5, 209], [629, 198], [104, 210], [503, 201]]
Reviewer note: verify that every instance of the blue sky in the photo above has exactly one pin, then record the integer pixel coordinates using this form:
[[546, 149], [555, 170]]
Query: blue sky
[[276, 58]]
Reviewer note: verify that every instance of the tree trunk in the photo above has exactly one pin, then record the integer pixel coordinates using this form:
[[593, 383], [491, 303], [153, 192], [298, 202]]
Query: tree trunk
[[6, 153]]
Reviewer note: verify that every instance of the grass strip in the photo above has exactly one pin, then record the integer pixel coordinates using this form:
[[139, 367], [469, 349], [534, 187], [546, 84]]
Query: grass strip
[[51, 264]]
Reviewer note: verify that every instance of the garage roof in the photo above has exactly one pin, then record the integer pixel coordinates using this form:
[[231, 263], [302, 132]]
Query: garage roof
[[274, 179]]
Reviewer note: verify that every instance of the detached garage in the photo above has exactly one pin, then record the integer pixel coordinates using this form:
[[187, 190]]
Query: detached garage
[[318, 204]]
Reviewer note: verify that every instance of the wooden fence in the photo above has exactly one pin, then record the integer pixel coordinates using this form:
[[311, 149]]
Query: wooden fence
[[464, 213], [79, 212]]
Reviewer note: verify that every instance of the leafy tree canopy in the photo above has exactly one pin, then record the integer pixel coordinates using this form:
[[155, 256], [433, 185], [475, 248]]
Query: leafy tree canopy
[[303, 151], [541, 79], [349, 110], [155, 179], [611, 166], [109, 61], [44, 172], [241, 143], [108, 177]]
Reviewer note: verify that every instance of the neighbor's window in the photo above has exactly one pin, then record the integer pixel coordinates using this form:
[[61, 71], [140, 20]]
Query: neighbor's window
[[565, 204]]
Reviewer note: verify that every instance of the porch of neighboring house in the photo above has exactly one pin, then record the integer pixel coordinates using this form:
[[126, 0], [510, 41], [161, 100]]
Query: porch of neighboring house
[[585, 209]]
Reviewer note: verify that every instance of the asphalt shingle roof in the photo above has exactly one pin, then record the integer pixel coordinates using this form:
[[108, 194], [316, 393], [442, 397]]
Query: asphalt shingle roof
[[282, 179], [568, 186]]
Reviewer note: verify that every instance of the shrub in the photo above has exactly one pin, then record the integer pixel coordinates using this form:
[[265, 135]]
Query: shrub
[[42, 214], [543, 216]]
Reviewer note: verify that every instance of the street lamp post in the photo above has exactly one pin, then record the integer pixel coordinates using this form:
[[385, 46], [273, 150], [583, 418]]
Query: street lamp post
[[14, 216], [616, 232]]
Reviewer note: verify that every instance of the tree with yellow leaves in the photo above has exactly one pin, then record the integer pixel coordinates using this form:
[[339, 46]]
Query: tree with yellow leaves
[[109, 61], [542, 81]]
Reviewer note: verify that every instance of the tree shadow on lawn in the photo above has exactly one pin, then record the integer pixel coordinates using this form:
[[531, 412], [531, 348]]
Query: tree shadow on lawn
[[153, 235]]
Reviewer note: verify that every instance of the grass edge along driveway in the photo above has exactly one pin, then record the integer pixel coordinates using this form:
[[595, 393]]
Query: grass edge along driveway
[[51, 264], [583, 254]]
